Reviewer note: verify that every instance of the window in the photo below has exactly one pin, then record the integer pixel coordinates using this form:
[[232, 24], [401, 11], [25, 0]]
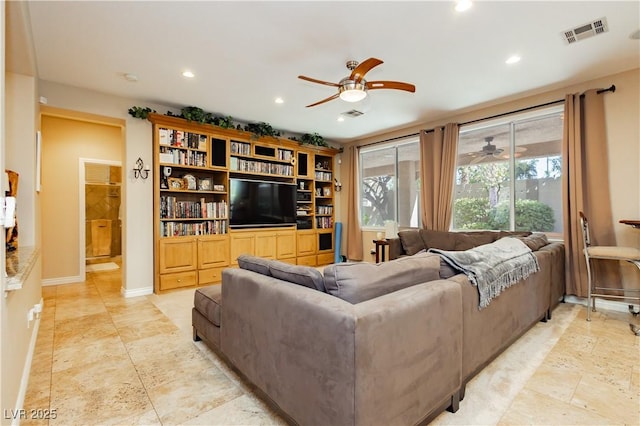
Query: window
[[389, 184], [508, 174]]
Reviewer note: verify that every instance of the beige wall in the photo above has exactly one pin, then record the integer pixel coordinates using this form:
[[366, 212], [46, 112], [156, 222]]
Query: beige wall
[[622, 110], [65, 141], [19, 112]]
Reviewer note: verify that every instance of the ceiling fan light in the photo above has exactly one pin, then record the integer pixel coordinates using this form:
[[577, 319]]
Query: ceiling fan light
[[353, 95], [352, 91]]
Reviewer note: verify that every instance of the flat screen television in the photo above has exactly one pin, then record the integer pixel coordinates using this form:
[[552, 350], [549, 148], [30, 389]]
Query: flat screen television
[[259, 203]]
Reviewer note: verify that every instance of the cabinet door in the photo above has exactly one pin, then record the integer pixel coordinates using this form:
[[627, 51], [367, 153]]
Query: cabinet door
[[266, 245], [178, 255], [285, 244], [213, 252], [306, 243], [242, 243]]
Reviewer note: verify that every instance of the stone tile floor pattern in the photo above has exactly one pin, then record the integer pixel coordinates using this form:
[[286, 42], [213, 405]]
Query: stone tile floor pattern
[[103, 359]]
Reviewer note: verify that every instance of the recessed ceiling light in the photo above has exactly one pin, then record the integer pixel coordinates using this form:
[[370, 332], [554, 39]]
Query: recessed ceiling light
[[341, 118], [131, 77], [513, 60], [463, 5], [188, 74], [279, 100]]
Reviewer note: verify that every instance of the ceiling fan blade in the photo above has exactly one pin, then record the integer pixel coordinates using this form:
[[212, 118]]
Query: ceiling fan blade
[[364, 67], [313, 80], [324, 100], [477, 160], [398, 85]]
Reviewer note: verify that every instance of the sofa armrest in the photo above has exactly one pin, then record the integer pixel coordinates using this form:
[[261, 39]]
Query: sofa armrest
[[326, 361], [395, 248]]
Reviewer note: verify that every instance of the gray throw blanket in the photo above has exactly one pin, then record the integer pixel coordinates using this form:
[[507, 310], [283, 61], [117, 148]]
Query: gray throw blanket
[[493, 267]]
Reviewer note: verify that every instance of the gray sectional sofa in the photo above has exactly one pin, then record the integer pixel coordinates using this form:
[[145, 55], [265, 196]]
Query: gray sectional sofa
[[366, 344]]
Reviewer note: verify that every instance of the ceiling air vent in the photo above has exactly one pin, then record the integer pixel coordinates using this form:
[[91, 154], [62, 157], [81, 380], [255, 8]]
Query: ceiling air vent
[[353, 113], [595, 27]]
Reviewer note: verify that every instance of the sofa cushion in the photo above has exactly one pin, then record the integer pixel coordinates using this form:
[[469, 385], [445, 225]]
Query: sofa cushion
[[357, 282], [535, 241], [411, 241], [255, 264], [297, 274], [442, 240], [469, 240], [208, 301]]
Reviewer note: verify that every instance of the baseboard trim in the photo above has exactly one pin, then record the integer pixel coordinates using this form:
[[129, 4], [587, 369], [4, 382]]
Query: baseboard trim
[[144, 291], [26, 370], [62, 280], [610, 305]]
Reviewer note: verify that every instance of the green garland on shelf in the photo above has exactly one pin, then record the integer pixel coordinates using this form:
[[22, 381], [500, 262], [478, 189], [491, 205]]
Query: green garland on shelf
[[198, 115]]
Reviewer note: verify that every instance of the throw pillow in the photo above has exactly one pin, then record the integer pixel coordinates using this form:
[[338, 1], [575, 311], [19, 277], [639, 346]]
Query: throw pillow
[[535, 241], [255, 264], [297, 274], [357, 282], [411, 242]]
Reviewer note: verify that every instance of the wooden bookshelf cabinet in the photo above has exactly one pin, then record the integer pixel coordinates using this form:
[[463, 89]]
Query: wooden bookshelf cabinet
[[192, 166]]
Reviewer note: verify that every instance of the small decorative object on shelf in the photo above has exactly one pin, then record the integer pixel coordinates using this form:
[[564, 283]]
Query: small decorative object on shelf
[[204, 184], [191, 182], [218, 188], [176, 183]]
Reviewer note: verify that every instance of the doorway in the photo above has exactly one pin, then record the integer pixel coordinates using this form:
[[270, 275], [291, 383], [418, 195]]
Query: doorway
[[102, 215]]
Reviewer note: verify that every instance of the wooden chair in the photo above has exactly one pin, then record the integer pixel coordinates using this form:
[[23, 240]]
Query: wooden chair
[[617, 253]]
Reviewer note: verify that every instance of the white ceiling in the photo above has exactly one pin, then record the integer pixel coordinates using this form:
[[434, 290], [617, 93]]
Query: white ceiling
[[245, 54]]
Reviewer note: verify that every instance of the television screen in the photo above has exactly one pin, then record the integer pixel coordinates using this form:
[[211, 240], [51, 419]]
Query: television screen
[[257, 203]]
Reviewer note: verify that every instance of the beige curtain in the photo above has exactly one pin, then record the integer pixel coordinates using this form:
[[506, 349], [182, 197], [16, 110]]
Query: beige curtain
[[438, 155], [586, 188], [354, 234]]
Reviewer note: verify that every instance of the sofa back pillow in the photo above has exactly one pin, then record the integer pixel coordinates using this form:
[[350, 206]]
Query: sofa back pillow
[[442, 240], [469, 240], [357, 282], [411, 242], [254, 263], [297, 274]]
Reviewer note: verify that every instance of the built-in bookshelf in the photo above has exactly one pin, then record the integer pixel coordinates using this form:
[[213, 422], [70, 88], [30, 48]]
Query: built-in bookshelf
[[193, 165]]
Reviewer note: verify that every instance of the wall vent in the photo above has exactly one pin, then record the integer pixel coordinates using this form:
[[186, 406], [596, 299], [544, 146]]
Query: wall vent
[[353, 113], [590, 29]]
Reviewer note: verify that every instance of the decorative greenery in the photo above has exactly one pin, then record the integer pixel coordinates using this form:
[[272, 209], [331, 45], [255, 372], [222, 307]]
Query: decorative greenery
[[140, 112], [261, 129], [198, 115], [313, 139]]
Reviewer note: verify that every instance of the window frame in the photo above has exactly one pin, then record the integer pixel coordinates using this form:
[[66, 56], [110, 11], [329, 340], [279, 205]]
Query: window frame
[[512, 120], [397, 143]]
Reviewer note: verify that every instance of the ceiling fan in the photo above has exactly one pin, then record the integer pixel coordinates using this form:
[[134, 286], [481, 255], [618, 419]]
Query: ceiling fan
[[354, 87], [489, 150]]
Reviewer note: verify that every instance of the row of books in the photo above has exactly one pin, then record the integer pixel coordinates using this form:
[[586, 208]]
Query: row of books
[[181, 229], [324, 209], [323, 176], [240, 148], [242, 165], [171, 208], [324, 222], [184, 158], [183, 139], [285, 155]]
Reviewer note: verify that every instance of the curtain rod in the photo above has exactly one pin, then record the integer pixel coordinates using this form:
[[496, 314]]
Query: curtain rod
[[611, 89]]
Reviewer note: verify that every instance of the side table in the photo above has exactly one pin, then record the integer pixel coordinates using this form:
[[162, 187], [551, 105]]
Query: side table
[[380, 249]]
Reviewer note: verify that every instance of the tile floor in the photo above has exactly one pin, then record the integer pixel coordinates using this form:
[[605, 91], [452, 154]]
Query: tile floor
[[103, 359]]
